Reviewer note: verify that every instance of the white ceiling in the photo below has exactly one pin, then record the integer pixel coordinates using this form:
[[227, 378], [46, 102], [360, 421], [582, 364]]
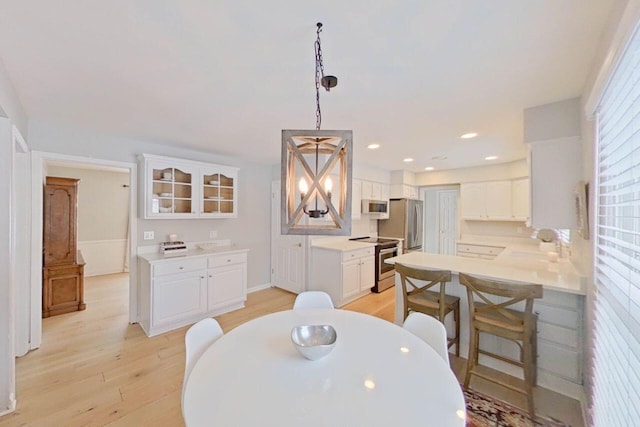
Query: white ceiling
[[228, 76]]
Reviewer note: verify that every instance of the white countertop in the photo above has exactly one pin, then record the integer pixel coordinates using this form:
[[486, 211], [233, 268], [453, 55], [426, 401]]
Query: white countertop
[[513, 264], [157, 256], [342, 245]]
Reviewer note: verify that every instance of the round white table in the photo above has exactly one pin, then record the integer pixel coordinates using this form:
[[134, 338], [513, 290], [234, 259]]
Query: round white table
[[378, 374]]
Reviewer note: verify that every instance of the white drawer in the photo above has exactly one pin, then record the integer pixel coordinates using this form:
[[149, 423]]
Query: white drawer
[[558, 334], [560, 361], [479, 249], [220, 260], [359, 253], [179, 266], [561, 299], [556, 316], [468, 254]]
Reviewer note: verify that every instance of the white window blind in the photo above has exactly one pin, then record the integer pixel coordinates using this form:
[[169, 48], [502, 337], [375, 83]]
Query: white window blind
[[616, 382]]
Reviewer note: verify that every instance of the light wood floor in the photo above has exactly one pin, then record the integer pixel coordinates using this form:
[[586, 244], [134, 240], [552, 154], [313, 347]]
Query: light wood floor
[[95, 369]]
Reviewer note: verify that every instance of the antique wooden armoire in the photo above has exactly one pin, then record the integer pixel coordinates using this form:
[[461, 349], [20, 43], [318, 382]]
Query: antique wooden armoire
[[63, 265]]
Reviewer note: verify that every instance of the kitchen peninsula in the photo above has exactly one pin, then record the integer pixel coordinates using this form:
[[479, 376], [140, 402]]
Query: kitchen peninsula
[[560, 311]]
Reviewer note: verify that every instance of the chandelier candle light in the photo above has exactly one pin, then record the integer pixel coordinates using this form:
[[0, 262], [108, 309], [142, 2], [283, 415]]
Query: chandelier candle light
[[313, 207]]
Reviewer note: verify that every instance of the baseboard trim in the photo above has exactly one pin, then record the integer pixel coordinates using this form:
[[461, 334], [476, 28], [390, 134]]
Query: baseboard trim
[[12, 406], [259, 288]]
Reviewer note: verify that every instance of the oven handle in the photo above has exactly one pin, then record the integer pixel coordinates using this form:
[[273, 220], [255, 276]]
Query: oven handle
[[388, 251]]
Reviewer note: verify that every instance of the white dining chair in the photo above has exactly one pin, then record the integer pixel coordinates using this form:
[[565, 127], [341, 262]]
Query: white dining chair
[[197, 339], [313, 299], [430, 330]]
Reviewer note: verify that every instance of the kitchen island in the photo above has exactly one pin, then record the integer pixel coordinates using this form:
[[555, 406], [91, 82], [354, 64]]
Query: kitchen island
[[560, 311]]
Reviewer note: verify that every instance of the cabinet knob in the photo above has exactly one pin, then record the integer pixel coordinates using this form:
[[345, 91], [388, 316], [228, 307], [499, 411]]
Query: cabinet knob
[[228, 260], [202, 277], [181, 268], [210, 276]]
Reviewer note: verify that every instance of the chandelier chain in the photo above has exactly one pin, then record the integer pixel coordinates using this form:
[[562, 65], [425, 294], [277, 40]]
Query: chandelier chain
[[319, 76]]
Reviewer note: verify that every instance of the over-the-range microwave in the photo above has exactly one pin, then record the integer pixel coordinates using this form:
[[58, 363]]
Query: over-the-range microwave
[[376, 208]]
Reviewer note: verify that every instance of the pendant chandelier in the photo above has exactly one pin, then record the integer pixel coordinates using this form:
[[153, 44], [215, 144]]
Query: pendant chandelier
[[312, 160]]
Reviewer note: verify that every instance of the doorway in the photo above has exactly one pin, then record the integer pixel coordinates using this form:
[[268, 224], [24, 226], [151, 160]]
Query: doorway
[[40, 164], [441, 219]]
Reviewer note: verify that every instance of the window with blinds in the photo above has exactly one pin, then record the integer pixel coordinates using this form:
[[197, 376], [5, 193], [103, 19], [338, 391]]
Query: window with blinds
[[616, 382]]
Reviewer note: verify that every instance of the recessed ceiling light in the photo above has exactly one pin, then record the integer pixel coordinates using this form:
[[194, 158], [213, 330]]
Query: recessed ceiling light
[[469, 135], [408, 159], [439, 158], [373, 146], [429, 168], [491, 157]]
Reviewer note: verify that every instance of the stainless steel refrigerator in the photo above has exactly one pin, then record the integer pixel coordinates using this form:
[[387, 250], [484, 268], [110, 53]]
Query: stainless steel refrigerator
[[405, 222]]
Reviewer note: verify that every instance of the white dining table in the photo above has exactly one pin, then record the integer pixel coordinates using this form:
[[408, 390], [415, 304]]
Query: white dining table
[[378, 374]]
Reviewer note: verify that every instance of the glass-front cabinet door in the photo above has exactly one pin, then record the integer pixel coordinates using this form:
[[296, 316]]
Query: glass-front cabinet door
[[176, 188], [171, 190], [219, 192]]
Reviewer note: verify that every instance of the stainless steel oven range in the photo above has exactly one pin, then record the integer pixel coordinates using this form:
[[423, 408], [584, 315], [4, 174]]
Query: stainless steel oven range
[[385, 273]]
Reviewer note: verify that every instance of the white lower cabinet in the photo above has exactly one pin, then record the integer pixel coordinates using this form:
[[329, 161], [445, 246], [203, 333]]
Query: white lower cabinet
[[175, 292], [179, 296], [226, 281], [344, 275]]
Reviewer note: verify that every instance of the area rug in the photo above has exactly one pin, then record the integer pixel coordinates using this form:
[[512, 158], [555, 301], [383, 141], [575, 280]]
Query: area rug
[[486, 411]]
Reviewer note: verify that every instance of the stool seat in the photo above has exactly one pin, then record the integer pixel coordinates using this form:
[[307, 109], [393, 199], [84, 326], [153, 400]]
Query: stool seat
[[491, 317], [416, 283]]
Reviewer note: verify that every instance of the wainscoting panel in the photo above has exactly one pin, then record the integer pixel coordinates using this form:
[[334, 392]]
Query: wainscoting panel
[[103, 256]]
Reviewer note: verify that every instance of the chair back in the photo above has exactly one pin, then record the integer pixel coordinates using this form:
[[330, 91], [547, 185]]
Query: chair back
[[197, 339], [510, 293], [430, 330], [409, 277], [312, 299]]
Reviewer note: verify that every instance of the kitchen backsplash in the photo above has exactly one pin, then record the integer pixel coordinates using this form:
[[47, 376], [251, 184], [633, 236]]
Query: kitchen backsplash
[[508, 231]]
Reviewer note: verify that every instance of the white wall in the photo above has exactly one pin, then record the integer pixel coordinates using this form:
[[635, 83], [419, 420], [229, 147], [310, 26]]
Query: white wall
[[103, 217], [6, 294], [510, 170], [252, 227], [10, 105]]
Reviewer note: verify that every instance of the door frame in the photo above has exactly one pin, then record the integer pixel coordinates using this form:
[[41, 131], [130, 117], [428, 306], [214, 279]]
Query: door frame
[[38, 161]]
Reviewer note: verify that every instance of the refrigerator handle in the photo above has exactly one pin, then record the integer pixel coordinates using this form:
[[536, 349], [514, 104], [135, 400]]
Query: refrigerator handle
[[415, 225], [419, 221]]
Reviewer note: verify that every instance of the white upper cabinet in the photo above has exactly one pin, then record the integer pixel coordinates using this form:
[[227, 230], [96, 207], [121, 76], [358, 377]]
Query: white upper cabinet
[[553, 133], [472, 201], [176, 188], [403, 191], [495, 200], [520, 199], [556, 168], [498, 200], [219, 197], [375, 191]]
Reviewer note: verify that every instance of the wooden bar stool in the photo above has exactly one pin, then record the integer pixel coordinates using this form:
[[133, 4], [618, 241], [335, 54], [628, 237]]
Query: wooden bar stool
[[418, 297], [495, 318]]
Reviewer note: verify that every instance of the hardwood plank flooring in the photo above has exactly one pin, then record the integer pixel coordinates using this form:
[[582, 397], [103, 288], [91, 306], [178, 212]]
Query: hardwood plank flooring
[[94, 369]]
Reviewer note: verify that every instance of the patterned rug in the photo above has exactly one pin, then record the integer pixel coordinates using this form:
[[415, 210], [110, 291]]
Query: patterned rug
[[485, 411]]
